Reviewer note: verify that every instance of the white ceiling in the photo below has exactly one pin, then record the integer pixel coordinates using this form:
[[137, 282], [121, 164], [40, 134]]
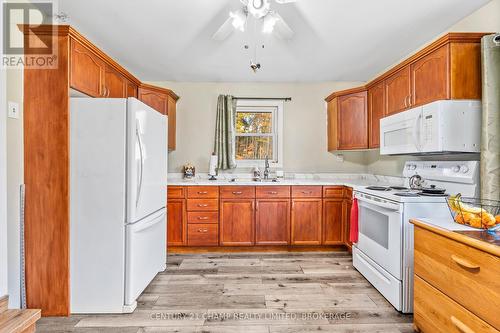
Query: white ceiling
[[335, 40]]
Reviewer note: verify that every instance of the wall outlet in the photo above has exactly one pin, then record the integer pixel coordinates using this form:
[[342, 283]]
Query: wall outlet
[[338, 157], [13, 110]]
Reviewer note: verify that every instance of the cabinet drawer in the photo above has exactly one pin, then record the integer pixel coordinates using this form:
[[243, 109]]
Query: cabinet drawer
[[306, 191], [465, 274], [198, 192], [202, 204], [435, 312], [203, 217], [175, 192], [333, 191], [269, 192], [203, 235], [237, 192]]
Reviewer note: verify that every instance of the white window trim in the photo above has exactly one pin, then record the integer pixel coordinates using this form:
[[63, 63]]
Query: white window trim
[[277, 106]]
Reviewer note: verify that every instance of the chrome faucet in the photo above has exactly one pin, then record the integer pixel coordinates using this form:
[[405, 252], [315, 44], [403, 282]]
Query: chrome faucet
[[266, 169]]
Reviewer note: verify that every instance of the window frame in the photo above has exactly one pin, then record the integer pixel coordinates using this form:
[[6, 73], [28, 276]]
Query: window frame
[[274, 106]]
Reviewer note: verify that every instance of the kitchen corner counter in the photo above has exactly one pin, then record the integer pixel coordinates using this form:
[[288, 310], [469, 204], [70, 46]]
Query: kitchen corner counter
[[350, 180], [476, 238]]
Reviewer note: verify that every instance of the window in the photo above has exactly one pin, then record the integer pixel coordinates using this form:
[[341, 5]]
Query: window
[[258, 132]]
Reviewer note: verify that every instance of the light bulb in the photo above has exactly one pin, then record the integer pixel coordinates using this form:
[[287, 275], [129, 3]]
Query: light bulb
[[239, 19], [269, 23]]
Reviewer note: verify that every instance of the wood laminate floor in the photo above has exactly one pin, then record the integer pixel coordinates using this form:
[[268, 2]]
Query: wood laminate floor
[[251, 293]]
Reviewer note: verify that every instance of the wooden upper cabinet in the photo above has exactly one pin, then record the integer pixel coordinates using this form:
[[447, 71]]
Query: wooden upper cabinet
[[332, 107], [376, 111], [398, 91], [306, 221], [115, 85], [272, 222], [87, 70], [154, 98], [172, 121], [352, 120], [430, 77], [333, 221], [237, 222], [131, 89]]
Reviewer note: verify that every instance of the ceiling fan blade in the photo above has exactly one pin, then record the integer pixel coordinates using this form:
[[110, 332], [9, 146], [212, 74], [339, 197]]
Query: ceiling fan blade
[[282, 29], [285, 1], [245, 2], [224, 31]]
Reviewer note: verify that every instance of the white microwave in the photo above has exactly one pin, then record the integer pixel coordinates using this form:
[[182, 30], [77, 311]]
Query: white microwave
[[441, 127]]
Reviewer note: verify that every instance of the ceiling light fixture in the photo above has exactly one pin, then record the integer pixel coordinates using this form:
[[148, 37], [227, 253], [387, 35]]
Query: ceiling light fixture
[[258, 8], [239, 18], [269, 22]]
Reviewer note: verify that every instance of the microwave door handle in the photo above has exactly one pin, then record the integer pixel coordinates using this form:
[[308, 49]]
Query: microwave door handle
[[417, 137]]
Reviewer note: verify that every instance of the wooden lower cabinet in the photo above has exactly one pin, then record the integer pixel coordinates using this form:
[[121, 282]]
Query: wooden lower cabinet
[[176, 222], [272, 222], [333, 221], [237, 222], [306, 221], [203, 234]]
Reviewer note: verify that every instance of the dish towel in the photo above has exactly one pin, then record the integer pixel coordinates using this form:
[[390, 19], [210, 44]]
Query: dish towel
[[353, 232]]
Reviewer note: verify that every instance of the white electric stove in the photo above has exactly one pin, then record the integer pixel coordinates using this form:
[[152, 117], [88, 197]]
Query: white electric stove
[[384, 251]]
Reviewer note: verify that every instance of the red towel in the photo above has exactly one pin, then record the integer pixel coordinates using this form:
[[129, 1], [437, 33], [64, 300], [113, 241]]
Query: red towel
[[353, 232]]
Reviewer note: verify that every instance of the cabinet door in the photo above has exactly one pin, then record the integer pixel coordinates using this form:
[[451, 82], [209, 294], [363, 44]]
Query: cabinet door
[[87, 71], [398, 91], [333, 212], [154, 99], [172, 112], [272, 222], [376, 110], [237, 222], [353, 121], [306, 221], [115, 84], [346, 221], [332, 125], [430, 77], [176, 222]]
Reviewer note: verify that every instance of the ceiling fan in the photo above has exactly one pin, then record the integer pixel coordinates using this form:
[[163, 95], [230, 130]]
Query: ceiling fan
[[272, 22]]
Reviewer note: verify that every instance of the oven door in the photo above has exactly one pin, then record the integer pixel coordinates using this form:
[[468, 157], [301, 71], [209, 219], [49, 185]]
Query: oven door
[[380, 232]]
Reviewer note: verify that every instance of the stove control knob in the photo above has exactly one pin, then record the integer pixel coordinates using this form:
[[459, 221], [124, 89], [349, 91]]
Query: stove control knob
[[464, 169], [456, 168], [412, 166]]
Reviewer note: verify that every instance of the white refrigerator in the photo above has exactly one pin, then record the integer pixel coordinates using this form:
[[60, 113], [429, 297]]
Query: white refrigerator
[[118, 179]]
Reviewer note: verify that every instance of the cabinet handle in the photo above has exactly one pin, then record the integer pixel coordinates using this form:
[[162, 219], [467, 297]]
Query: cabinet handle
[[202, 192], [272, 192], [406, 101], [203, 230], [461, 326], [202, 217], [202, 205], [409, 100], [307, 192], [237, 192], [107, 92], [464, 262]]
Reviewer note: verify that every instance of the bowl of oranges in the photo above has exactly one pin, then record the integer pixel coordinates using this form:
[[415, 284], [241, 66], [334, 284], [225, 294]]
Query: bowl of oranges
[[476, 213]]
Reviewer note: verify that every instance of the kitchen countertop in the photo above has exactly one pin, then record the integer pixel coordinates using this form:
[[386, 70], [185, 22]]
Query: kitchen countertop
[[351, 180], [480, 239]]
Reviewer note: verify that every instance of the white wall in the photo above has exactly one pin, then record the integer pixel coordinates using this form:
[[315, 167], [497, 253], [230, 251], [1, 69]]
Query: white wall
[[304, 124], [3, 174]]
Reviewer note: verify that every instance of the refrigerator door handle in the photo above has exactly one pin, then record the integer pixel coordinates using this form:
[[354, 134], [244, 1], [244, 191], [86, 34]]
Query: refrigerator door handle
[[140, 175]]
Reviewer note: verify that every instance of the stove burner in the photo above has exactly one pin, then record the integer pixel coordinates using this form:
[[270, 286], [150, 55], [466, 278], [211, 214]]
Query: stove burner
[[425, 194], [407, 194], [399, 188], [378, 188]]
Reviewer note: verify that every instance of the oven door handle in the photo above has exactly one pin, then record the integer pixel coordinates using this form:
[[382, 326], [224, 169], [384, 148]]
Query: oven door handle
[[376, 205]]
